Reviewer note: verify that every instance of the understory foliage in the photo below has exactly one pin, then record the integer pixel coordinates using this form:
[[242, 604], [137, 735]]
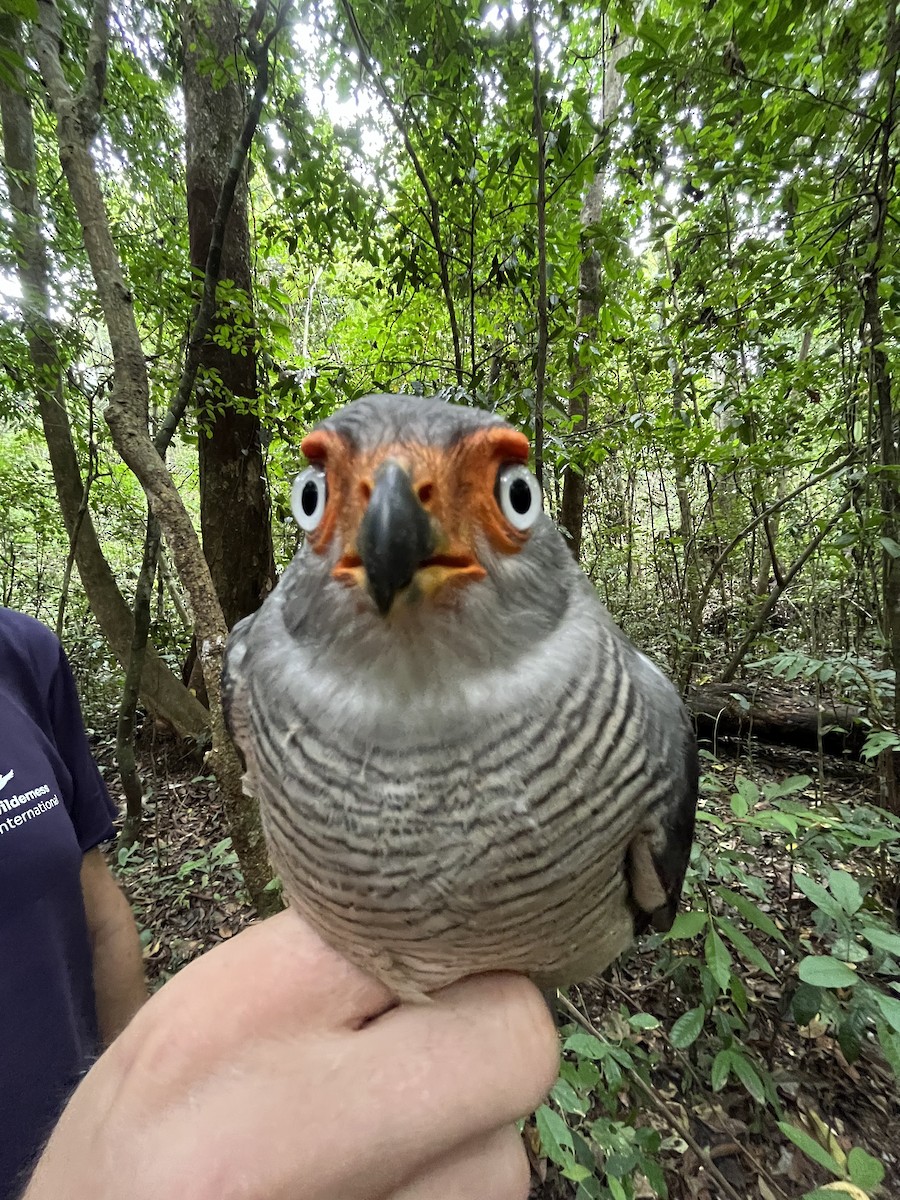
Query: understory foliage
[[788, 939]]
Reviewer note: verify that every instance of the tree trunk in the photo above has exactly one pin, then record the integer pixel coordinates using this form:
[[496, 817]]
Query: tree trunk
[[234, 501], [881, 399], [127, 414], [163, 694], [541, 206], [733, 710]]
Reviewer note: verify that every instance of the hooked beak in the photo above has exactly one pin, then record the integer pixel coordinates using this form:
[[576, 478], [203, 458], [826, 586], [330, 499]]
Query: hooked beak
[[395, 536]]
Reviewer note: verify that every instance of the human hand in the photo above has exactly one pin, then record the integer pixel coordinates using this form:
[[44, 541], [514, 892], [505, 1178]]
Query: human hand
[[271, 1069]]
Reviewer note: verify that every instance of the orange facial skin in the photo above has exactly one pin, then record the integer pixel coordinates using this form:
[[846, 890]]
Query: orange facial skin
[[455, 487]]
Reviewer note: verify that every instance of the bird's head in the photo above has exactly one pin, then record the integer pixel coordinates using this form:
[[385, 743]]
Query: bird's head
[[428, 571], [414, 501], [424, 529]]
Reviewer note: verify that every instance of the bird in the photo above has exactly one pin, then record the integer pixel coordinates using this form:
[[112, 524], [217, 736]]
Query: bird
[[462, 763]]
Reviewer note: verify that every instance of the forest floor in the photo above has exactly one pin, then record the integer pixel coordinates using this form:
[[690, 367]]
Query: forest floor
[[187, 893]]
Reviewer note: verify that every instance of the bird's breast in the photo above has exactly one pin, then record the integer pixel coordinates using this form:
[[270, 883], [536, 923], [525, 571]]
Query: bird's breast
[[472, 844]]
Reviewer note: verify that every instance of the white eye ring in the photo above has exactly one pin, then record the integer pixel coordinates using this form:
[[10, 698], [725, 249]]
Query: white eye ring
[[518, 495], [308, 496]]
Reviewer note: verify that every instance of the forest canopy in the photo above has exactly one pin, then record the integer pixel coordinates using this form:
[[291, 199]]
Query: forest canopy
[[662, 240]]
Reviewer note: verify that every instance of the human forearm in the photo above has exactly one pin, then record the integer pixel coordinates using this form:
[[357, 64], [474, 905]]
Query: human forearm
[[118, 968], [119, 985]]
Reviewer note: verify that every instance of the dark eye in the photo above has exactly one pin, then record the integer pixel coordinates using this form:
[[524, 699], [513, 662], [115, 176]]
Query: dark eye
[[518, 495], [308, 496]]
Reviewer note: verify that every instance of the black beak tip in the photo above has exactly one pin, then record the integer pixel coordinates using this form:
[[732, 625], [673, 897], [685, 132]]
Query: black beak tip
[[395, 536], [383, 597]]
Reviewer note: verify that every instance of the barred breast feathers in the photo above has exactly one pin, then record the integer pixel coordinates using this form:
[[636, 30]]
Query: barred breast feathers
[[396, 697]]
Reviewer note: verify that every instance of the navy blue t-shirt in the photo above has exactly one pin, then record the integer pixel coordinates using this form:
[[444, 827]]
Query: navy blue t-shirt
[[53, 808]]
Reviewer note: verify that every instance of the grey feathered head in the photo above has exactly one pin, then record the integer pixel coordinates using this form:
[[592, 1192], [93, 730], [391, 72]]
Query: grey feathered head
[[426, 555]]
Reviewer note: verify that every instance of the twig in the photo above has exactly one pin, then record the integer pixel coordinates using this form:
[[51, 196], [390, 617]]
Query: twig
[[764, 515], [656, 1102], [762, 616]]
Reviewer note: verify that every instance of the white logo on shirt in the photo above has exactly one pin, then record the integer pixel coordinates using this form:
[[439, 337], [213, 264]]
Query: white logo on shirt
[[4, 779]]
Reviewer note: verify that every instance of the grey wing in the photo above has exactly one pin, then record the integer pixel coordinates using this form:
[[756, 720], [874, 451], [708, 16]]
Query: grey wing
[[659, 853], [233, 680]]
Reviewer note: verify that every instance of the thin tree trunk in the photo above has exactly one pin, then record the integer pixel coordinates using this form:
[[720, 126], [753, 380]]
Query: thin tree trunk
[[541, 202], [163, 693], [881, 400], [126, 759], [127, 414], [235, 518]]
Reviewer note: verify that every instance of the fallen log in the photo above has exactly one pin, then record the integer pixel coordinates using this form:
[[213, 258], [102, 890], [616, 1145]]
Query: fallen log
[[773, 715]]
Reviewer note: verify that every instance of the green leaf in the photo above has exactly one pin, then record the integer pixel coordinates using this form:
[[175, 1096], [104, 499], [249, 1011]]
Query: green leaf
[[744, 946], [583, 1073], [576, 1172], [751, 913], [890, 1045], [845, 890], [787, 787], [749, 1077], [687, 1028], [739, 806], [616, 1188], [864, 1170], [890, 1008], [810, 1147], [850, 1032], [878, 740], [830, 1193], [688, 925], [806, 1003], [890, 547], [643, 1020], [589, 1189], [721, 1069], [26, 9], [786, 821], [747, 790], [717, 959], [738, 993], [555, 1135], [585, 1044], [882, 939], [821, 970], [818, 895], [566, 1098]]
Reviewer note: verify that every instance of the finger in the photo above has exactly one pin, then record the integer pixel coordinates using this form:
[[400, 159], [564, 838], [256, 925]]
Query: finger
[[276, 975], [287, 961], [488, 1038], [413, 1085], [493, 1168]]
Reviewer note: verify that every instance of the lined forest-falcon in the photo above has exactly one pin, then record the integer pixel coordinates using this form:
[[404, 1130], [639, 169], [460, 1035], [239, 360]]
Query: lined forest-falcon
[[463, 765]]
